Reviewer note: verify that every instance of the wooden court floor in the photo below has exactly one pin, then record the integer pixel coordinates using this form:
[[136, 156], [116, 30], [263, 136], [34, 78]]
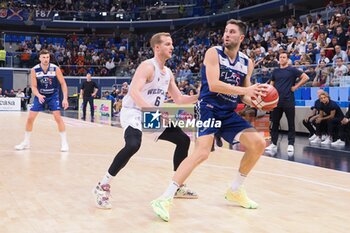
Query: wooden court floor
[[43, 190]]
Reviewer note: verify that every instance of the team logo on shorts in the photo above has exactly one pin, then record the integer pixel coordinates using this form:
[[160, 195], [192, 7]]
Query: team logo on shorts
[[151, 120]]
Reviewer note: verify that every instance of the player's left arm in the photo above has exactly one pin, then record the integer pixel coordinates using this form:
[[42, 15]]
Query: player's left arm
[[303, 79], [177, 96], [63, 87]]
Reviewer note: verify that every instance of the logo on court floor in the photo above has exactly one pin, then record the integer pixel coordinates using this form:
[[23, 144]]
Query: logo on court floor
[[151, 120]]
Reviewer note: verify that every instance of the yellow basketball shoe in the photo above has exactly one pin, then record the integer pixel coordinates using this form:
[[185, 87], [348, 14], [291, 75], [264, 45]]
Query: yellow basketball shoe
[[241, 198], [161, 207]]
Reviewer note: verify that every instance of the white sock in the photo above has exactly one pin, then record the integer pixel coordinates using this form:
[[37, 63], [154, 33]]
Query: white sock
[[106, 179], [63, 137], [27, 136], [171, 190], [238, 181]]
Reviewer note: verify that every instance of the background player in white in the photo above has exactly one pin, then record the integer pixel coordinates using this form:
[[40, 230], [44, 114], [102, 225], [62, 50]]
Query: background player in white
[[45, 78], [151, 82], [226, 73]]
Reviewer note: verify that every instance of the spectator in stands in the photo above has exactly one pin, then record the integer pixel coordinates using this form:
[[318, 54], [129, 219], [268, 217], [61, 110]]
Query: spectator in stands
[[2, 56], [348, 49], [21, 95], [10, 94], [330, 48], [339, 53], [88, 92], [25, 58], [310, 121], [28, 93], [343, 133], [339, 71], [1, 92], [330, 117], [290, 30], [322, 73], [341, 37], [275, 45], [37, 46], [110, 66], [263, 76], [168, 98], [309, 71], [323, 57], [311, 52]]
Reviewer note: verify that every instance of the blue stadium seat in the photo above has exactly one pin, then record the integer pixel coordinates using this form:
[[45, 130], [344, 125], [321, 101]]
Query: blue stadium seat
[[344, 93], [344, 104], [15, 38], [326, 89], [22, 38], [297, 94], [300, 103], [8, 38], [309, 102], [305, 93], [334, 93]]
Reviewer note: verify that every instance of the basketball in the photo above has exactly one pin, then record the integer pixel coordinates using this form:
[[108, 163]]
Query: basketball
[[268, 102]]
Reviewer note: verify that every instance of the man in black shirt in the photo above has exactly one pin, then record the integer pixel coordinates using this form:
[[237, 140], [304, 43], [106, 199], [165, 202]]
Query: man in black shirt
[[28, 93], [330, 116], [309, 121], [284, 80], [88, 92]]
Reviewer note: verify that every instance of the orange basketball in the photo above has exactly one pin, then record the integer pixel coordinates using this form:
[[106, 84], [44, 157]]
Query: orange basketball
[[268, 102]]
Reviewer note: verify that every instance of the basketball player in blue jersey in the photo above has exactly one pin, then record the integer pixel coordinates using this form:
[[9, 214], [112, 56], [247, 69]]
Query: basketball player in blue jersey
[[45, 78], [148, 88], [226, 74]]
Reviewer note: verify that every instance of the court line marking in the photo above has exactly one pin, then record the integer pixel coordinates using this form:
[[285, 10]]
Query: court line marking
[[203, 165]]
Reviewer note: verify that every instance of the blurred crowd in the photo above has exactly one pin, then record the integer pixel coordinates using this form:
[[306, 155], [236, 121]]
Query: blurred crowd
[[317, 45]]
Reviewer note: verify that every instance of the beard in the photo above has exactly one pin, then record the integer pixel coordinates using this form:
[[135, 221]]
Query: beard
[[231, 45]]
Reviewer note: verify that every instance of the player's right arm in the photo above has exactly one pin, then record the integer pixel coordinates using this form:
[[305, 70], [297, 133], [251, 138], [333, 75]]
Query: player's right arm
[[35, 87], [142, 74], [211, 62]]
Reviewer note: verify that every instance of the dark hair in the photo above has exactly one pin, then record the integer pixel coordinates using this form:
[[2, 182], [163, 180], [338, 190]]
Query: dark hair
[[44, 51], [242, 26]]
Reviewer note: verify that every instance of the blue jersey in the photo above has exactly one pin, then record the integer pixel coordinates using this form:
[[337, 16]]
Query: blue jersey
[[47, 83], [230, 73]]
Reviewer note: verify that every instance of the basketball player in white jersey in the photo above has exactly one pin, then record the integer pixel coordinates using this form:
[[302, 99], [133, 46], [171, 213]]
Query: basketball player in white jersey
[[45, 79], [226, 73], [151, 82]]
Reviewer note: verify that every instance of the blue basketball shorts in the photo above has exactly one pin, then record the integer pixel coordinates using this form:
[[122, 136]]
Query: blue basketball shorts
[[52, 101], [231, 122]]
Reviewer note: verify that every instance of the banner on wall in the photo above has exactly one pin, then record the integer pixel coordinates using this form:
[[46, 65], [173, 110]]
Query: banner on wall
[[103, 109], [10, 104]]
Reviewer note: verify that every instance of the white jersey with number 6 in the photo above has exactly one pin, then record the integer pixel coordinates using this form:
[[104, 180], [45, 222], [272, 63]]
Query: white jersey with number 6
[[153, 92]]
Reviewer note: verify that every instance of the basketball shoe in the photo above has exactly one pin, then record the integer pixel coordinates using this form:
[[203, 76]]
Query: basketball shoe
[[64, 147], [271, 149], [339, 143], [241, 198], [102, 194], [186, 193], [161, 207], [23, 146]]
